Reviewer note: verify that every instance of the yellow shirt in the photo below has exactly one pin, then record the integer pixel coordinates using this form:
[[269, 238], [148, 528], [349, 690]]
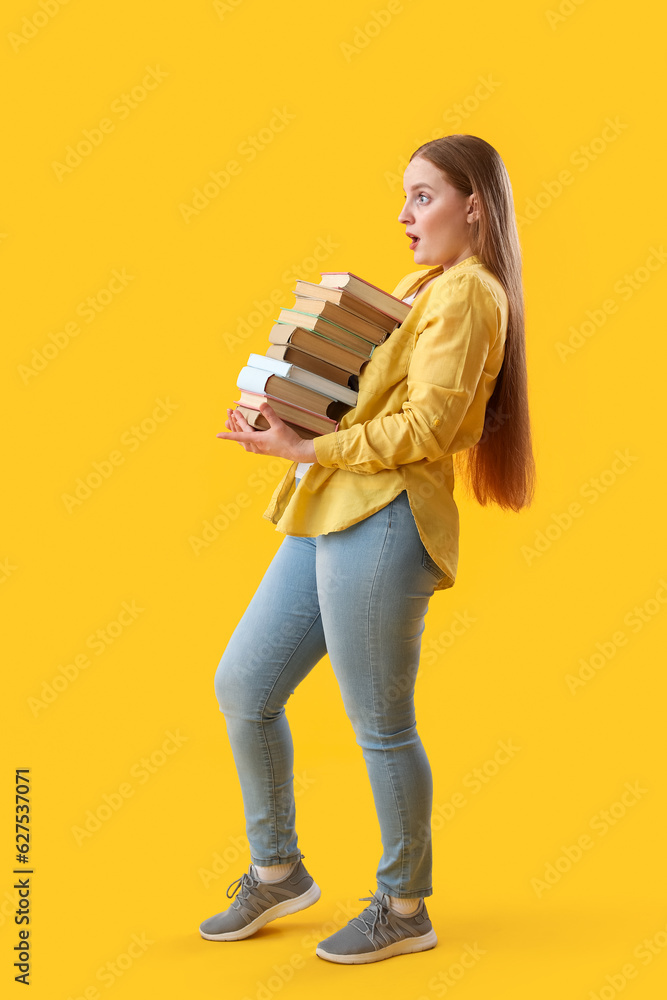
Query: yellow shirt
[[422, 398]]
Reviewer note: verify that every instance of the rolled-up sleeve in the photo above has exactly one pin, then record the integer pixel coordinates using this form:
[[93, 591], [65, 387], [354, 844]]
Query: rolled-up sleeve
[[459, 328]]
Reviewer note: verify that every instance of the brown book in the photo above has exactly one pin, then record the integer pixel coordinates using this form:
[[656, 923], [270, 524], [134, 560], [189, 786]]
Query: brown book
[[341, 317], [258, 380], [288, 411], [257, 420], [295, 356], [327, 328], [312, 343], [371, 294], [353, 304]]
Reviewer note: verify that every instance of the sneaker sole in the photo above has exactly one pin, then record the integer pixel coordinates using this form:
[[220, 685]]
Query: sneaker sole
[[279, 910], [405, 947]]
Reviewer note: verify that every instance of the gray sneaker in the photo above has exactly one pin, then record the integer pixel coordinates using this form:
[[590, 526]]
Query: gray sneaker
[[259, 902], [378, 932]]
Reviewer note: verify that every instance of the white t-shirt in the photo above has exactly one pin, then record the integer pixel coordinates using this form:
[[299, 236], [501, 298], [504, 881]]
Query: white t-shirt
[[304, 466]]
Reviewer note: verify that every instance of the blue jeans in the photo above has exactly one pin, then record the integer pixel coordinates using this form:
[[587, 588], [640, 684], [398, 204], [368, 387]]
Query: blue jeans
[[359, 595]]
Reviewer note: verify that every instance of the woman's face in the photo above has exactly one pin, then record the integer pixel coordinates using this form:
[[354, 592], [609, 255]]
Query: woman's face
[[437, 213]]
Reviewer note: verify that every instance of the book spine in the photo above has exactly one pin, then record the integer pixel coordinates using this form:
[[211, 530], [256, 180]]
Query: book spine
[[367, 283], [332, 340], [330, 322], [304, 409], [344, 315]]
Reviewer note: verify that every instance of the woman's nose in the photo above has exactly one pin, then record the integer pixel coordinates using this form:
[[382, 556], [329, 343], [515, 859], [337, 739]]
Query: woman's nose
[[405, 215]]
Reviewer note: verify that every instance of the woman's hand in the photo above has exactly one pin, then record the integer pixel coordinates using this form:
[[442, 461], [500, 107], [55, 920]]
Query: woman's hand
[[278, 440]]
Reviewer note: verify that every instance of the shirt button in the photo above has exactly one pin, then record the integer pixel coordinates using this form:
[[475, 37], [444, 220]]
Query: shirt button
[[436, 422]]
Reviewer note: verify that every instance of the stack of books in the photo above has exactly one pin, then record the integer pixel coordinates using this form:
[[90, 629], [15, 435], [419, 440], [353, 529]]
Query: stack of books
[[310, 372]]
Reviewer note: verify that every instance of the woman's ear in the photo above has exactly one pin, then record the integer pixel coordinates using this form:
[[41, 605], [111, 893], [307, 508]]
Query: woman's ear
[[473, 209]]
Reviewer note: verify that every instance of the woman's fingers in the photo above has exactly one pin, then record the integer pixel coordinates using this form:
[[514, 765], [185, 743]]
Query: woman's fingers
[[278, 439], [237, 425], [243, 423]]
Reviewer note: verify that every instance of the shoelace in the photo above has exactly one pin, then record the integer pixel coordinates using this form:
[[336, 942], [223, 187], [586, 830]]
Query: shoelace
[[380, 911], [244, 885]]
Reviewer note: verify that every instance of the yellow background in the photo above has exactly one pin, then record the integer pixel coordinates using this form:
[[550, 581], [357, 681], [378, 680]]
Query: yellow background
[[358, 98]]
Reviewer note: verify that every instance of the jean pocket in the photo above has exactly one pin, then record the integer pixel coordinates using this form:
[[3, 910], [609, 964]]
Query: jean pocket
[[429, 564]]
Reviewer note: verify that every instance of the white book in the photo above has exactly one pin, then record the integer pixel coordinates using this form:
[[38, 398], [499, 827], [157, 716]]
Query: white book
[[303, 377]]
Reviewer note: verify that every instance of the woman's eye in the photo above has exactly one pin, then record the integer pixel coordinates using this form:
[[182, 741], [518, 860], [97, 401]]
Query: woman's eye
[[422, 195]]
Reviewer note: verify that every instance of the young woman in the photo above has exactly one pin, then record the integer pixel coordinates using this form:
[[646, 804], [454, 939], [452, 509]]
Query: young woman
[[372, 532]]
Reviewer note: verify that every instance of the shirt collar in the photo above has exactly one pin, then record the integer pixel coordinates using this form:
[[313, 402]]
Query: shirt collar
[[439, 269]]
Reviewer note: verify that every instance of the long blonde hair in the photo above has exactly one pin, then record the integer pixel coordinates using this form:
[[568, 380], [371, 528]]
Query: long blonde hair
[[500, 467]]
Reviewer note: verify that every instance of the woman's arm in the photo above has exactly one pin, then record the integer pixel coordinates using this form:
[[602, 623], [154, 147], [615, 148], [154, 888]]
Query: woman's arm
[[461, 325]]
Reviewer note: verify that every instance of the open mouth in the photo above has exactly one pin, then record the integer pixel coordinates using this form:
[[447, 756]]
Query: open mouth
[[414, 240]]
